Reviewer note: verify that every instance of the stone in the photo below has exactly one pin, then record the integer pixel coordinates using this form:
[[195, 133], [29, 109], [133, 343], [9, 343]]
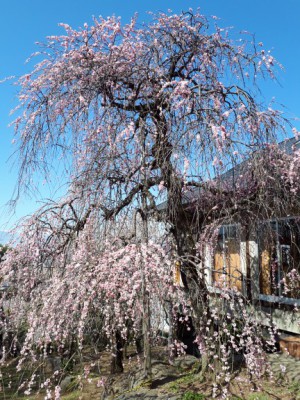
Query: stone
[[186, 362], [67, 384], [52, 364]]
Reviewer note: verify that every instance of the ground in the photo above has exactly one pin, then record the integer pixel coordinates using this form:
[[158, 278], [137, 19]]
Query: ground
[[170, 382]]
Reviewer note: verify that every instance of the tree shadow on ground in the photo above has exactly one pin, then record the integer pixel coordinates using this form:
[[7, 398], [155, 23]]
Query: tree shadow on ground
[[162, 381]]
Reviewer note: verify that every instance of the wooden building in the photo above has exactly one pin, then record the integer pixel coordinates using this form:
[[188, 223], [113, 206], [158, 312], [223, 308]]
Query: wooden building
[[260, 259], [265, 267]]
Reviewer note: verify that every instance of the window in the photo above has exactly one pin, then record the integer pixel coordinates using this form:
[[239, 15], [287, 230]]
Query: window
[[279, 254], [227, 260]]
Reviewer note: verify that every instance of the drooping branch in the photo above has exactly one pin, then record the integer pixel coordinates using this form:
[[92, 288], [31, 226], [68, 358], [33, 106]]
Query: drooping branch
[[150, 182]]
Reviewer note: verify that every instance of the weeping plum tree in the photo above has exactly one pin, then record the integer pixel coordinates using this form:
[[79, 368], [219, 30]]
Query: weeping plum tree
[[145, 114], [136, 112]]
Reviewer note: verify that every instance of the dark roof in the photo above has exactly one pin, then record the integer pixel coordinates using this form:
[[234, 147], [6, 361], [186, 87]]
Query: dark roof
[[286, 145], [233, 173]]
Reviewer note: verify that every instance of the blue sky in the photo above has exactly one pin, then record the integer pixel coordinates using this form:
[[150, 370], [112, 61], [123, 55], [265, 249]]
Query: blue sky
[[24, 22]]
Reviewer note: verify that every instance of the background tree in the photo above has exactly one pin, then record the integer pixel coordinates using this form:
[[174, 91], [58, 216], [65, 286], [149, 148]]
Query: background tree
[[3, 250]]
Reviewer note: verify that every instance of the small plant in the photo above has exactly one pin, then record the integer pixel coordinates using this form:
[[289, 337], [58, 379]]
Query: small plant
[[295, 389], [193, 396]]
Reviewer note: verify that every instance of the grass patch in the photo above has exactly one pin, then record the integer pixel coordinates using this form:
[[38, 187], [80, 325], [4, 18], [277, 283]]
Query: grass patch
[[295, 389], [258, 396], [72, 396], [193, 396], [184, 380]]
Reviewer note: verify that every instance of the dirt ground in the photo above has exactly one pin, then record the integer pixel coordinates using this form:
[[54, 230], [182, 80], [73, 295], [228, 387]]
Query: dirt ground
[[91, 380]]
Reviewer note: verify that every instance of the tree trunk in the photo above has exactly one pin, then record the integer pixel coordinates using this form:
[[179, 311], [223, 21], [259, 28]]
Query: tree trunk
[[195, 285], [139, 343], [116, 365], [146, 333], [171, 334], [146, 324]]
